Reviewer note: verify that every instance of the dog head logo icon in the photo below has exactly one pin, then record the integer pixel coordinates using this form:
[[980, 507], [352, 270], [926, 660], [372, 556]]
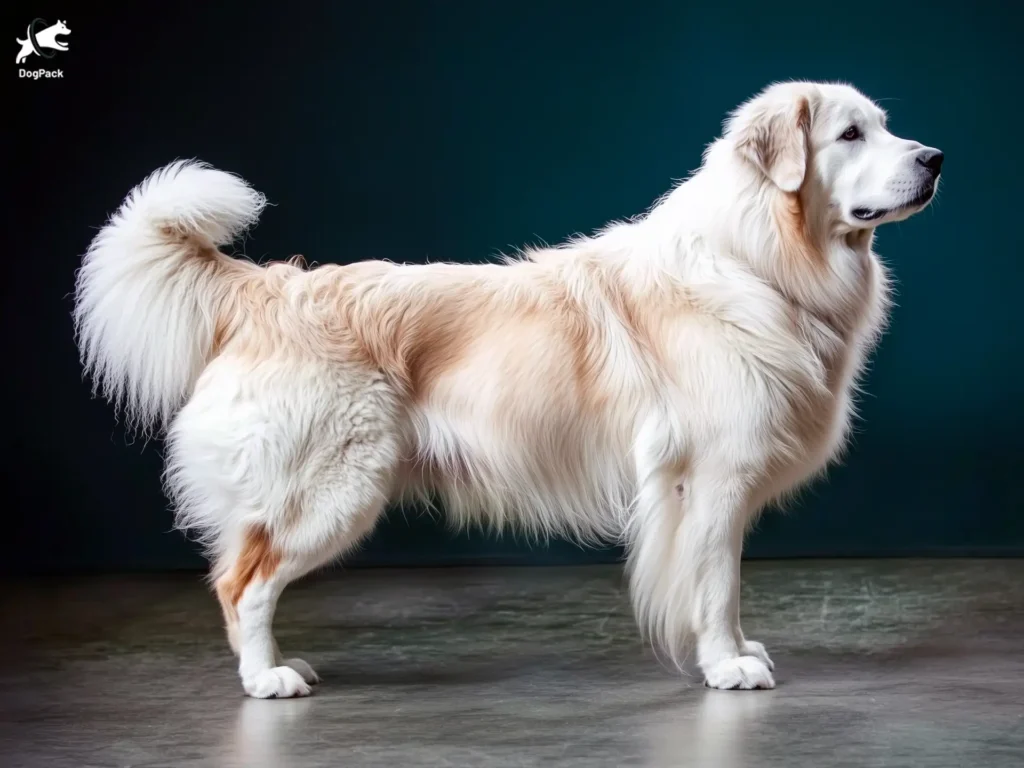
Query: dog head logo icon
[[42, 39]]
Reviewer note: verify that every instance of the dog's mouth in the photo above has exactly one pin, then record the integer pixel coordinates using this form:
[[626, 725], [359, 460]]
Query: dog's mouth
[[873, 214]]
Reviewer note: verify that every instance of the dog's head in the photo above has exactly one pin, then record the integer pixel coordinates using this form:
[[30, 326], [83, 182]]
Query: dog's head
[[832, 140], [60, 28]]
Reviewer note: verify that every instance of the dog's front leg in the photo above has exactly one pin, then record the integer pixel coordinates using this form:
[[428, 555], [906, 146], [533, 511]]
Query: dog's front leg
[[714, 521], [685, 545]]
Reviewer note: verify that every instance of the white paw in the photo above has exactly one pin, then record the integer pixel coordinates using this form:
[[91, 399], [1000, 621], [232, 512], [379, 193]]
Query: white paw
[[743, 672], [307, 672], [276, 683], [757, 650]]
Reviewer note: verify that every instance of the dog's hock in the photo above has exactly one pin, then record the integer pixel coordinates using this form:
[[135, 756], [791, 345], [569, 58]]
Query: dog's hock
[[772, 134]]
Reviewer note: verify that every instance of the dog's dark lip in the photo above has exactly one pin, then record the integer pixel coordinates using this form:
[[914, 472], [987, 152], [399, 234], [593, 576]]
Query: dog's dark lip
[[871, 214]]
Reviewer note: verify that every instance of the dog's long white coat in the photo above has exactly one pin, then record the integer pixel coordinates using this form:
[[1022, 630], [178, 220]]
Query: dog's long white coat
[[657, 384]]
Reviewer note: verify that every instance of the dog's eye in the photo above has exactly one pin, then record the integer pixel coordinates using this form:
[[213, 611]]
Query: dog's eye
[[851, 134]]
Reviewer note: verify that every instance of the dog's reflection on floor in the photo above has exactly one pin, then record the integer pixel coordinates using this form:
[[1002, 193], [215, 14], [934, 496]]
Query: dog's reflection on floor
[[265, 732], [716, 734]]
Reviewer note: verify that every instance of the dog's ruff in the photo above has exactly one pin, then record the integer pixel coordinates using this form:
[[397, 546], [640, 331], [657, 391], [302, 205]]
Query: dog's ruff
[[656, 384]]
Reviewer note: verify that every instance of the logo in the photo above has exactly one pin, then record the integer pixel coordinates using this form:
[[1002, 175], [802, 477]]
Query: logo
[[41, 40]]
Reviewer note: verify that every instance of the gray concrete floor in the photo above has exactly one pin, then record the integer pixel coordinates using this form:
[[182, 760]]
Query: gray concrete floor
[[890, 663]]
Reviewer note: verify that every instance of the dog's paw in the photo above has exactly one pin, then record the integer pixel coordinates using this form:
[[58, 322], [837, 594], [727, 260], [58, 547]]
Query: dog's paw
[[276, 683], [742, 672], [757, 650], [312, 677]]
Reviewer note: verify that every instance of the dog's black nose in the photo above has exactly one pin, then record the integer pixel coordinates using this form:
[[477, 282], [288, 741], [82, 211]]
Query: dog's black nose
[[932, 160]]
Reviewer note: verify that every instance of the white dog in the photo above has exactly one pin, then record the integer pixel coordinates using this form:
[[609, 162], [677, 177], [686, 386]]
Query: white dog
[[656, 384], [47, 38]]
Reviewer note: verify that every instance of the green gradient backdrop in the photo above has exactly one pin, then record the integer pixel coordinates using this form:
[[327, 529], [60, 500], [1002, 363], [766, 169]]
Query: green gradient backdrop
[[450, 130]]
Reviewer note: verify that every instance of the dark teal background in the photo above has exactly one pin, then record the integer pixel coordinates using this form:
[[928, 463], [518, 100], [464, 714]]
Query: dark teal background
[[452, 130]]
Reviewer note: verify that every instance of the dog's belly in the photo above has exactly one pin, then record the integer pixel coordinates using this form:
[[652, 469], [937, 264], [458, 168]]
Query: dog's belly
[[523, 463], [522, 446]]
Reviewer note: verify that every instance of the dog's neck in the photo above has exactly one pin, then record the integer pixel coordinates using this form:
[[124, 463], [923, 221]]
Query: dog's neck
[[785, 239]]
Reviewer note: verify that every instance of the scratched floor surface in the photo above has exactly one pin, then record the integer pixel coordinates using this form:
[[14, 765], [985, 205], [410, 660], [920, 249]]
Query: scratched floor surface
[[894, 663]]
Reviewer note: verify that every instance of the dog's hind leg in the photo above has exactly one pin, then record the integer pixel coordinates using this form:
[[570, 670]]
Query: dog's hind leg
[[329, 520], [281, 478]]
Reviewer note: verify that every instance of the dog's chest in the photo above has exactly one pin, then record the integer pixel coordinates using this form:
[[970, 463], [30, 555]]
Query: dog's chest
[[841, 344]]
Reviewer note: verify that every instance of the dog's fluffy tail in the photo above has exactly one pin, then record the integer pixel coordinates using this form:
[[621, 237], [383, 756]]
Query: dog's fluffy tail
[[152, 284]]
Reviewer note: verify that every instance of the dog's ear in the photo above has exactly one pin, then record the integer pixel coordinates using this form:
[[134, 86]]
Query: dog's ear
[[772, 132]]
